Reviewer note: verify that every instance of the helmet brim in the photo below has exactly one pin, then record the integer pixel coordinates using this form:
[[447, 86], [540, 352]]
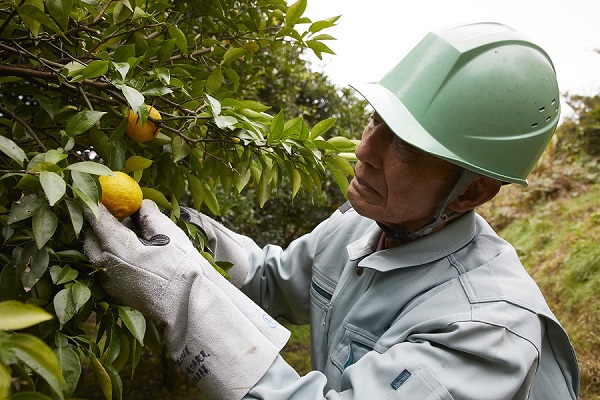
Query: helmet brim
[[401, 121]]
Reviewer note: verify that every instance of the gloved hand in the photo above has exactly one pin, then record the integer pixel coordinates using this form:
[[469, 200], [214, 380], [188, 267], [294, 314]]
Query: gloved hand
[[222, 243], [218, 336]]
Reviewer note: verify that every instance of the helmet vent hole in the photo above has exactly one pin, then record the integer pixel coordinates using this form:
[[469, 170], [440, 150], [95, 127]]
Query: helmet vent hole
[[534, 125], [553, 102], [547, 119], [542, 109]]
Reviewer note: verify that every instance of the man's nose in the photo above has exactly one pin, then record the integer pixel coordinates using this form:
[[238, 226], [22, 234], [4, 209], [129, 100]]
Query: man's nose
[[371, 147]]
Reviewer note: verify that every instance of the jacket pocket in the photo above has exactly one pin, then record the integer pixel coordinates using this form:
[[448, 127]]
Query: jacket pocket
[[419, 385], [352, 348]]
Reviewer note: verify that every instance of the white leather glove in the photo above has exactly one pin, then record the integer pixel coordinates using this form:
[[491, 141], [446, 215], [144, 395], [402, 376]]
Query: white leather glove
[[222, 243], [217, 335]]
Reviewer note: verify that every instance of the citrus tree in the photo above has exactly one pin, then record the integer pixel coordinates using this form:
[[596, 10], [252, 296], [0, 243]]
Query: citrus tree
[[76, 78]]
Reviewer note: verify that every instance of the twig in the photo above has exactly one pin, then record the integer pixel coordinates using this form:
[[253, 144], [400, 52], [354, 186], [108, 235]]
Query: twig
[[85, 98], [25, 125]]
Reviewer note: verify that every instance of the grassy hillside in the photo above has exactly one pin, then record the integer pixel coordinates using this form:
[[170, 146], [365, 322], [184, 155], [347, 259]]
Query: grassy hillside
[[557, 235]]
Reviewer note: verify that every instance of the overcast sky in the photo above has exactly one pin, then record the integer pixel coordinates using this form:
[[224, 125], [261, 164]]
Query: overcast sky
[[373, 35]]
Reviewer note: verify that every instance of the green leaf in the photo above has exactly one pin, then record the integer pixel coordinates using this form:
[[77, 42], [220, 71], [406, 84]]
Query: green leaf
[[80, 294], [90, 167], [11, 149], [112, 344], [82, 121], [215, 105], [294, 12], [341, 179], [323, 37], [136, 163], [55, 156], [232, 54], [211, 200], [121, 12], [134, 321], [95, 69], [133, 97], [44, 225], [122, 68], [25, 207], [61, 275], [214, 81], [277, 125], [60, 11], [76, 215], [70, 367], [343, 144], [40, 16], [124, 351], [165, 51], [86, 184], [36, 354], [156, 196], [34, 263], [102, 377], [318, 48], [180, 148], [293, 127], [240, 180], [180, 39], [15, 315], [89, 202], [28, 13], [341, 163], [296, 181], [320, 25], [54, 186], [73, 68], [321, 127], [70, 300], [63, 306], [197, 190], [4, 381], [226, 121]]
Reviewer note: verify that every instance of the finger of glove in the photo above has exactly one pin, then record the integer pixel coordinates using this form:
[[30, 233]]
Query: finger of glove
[[112, 234], [153, 222], [93, 248]]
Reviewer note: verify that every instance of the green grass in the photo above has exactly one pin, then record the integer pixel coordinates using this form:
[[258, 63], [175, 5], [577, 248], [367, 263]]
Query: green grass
[[558, 241], [297, 351]]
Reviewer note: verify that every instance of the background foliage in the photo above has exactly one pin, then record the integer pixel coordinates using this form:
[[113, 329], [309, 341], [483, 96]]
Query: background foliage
[[69, 72]]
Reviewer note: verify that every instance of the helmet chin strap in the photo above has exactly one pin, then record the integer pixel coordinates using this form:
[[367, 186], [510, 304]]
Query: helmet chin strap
[[439, 217]]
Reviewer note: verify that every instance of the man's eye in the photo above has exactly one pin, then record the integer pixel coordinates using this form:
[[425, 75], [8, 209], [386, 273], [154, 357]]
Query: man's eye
[[376, 119]]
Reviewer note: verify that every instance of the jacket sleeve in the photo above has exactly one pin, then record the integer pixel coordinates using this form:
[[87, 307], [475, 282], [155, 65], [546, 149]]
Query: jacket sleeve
[[464, 361], [278, 280]]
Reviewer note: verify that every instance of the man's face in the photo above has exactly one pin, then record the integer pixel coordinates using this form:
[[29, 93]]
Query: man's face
[[395, 183]]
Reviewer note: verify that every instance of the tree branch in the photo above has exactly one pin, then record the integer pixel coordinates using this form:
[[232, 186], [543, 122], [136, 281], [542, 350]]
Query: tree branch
[[25, 125]]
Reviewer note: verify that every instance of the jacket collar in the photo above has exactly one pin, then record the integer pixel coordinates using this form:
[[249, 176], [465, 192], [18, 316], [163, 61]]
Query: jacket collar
[[426, 249]]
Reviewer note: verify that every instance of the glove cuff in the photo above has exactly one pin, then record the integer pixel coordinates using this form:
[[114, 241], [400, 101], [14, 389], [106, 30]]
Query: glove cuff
[[225, 345]]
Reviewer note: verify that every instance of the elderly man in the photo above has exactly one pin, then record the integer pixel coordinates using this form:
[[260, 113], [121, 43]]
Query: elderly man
[[410, 294]]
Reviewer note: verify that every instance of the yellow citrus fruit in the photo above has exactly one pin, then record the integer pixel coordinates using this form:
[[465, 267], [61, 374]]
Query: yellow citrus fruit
[[121, 194], [140, 133]]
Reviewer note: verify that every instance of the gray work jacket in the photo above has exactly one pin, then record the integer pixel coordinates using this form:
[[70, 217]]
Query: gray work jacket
[[452, 315]]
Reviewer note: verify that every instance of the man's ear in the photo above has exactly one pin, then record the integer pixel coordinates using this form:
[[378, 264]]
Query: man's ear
[[482, 189]]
